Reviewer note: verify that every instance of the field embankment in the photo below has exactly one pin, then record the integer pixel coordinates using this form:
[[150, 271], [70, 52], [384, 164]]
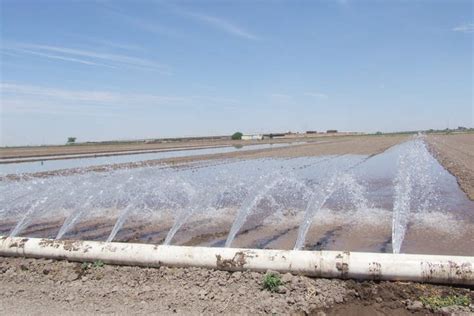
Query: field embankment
[[456, 153]]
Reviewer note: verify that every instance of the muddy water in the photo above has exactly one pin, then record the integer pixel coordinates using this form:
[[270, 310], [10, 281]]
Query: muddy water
[[208, 196]]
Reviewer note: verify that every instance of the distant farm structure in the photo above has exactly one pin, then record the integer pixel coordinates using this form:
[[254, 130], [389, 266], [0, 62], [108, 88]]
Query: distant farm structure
[[252, 137]]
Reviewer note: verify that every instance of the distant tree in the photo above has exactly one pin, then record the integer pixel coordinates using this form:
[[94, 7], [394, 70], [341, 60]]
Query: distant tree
[[71, 140], [237, 136], [378, 133]]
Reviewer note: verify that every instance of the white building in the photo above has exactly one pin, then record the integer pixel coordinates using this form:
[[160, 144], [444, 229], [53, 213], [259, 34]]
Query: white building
[[252, 137]]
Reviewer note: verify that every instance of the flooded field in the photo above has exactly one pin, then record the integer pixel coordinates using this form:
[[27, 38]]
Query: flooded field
[[51, 163], [400, 200]]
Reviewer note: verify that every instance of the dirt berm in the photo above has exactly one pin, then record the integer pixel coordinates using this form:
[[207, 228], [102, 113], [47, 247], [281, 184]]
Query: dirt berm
[[456, 153]]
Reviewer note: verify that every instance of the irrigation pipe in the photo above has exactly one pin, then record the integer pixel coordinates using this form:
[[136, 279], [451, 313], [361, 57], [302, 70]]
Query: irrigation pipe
[[328, 264]]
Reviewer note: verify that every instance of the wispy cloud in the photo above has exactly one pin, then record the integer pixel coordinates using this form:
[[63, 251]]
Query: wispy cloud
[[111, 44], [21, 98], [113, 58], [30, 99], [222, 25], [465, 28], [141, 23], [316, 95], [88, 57], [63, 58], [58, 94], [66, 97]]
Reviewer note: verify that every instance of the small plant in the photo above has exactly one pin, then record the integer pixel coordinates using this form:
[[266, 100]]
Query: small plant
[[98, 264], [85, 266], [437, 301], [271, 282], [237, 136]]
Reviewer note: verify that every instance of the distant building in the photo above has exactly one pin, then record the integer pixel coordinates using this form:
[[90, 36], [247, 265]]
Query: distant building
[[252, 137], [311, 132], [274, 135], [331, 131]]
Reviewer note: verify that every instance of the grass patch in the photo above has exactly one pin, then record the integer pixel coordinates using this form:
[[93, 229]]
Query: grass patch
[[438, 301], [271, 282], [96, 264], [85, 266]]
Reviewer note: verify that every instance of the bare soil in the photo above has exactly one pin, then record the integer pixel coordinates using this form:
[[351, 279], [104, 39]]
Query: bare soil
[[456, 153], [40, 287]]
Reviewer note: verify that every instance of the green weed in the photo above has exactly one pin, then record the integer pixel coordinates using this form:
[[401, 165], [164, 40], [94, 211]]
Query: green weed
[[271, 282], [437, 301], [98, 264], [85, 266]]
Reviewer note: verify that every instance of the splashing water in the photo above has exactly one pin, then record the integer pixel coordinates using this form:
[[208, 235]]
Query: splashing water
[[183, 216], [315, 203], [202, 196], [278, 192], [262, 188], [355, 191], [119, 223], [136, 195], [26, 217], [324, 192], [52, 199], [414, 188], [73, 218]]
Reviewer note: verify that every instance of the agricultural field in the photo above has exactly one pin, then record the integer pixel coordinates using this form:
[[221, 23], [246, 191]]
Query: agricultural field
[[257, 198], [236, 157]]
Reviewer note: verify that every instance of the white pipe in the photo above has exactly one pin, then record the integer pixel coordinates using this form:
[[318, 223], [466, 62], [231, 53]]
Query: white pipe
[[329, 264]]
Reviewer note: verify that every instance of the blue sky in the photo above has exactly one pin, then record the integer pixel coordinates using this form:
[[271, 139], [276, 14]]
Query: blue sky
[[102, 70]]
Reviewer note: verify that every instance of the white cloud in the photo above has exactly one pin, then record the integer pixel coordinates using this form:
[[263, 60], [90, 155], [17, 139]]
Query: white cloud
[[114, 58], [63, 58], [87, 57], [223, 25], [465, 28], [154, 27], [317, 95]]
